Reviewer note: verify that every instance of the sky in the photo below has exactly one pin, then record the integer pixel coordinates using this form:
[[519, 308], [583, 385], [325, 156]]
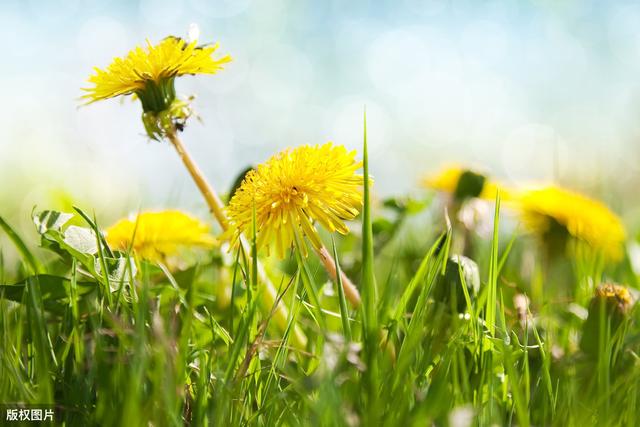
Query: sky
[[524, 90]]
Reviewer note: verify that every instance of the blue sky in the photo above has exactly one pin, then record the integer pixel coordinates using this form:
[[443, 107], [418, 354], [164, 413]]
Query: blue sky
[[526, 90]]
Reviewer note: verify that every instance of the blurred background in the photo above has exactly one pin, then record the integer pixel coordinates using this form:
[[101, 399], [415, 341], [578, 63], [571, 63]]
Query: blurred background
[[525, 90]]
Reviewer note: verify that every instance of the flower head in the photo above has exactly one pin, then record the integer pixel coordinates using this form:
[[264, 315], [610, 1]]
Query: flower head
[[551, 212], [463, 183], [156, 235], [149, 74], [618, 296], [611, 303], [294, 189], [144, 72]]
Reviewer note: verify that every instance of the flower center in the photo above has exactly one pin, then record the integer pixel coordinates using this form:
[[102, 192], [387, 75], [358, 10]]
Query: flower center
[[291, 195]]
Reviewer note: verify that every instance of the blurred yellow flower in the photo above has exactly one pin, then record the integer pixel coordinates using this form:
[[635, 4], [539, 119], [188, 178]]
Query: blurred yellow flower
[[155, 235], [551, 209], [292, 190], [149, 72], [463, 183]]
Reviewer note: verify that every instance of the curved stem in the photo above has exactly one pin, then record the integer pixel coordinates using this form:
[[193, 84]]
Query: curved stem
[[350, 291], [215, 204], [281, 314]]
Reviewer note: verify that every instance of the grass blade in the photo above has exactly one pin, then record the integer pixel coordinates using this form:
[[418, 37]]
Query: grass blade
[[25, 253]]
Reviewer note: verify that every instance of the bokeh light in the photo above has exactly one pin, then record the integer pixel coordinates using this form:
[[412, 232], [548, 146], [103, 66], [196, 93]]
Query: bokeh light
[[531, 91]]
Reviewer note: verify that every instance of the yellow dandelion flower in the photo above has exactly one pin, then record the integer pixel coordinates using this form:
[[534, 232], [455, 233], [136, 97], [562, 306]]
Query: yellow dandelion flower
[[149, 72], [155, 235], [294, 189], [463, 183], [551, 209]]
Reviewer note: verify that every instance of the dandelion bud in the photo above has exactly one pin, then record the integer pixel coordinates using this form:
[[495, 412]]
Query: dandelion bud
[[607, 311]]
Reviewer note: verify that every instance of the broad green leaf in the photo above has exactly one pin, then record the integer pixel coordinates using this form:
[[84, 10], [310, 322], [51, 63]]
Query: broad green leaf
[[81, 239], [51, 220], [81, 243], [55, 290]]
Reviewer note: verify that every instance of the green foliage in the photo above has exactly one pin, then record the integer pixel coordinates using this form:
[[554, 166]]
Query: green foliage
[[440, 336]]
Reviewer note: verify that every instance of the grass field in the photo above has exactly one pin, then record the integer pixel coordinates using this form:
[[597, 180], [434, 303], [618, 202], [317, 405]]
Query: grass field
[[196, 345], [513, 317]]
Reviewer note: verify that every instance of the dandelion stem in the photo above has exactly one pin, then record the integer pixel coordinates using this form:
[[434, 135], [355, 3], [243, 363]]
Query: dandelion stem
[[281, 314], [350, 291], [215, 204]]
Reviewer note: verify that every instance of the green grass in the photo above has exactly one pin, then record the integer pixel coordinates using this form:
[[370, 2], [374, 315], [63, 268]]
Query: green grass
[[110, 343]]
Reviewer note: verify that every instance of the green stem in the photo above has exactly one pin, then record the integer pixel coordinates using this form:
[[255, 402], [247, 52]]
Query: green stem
[[270, 294]]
